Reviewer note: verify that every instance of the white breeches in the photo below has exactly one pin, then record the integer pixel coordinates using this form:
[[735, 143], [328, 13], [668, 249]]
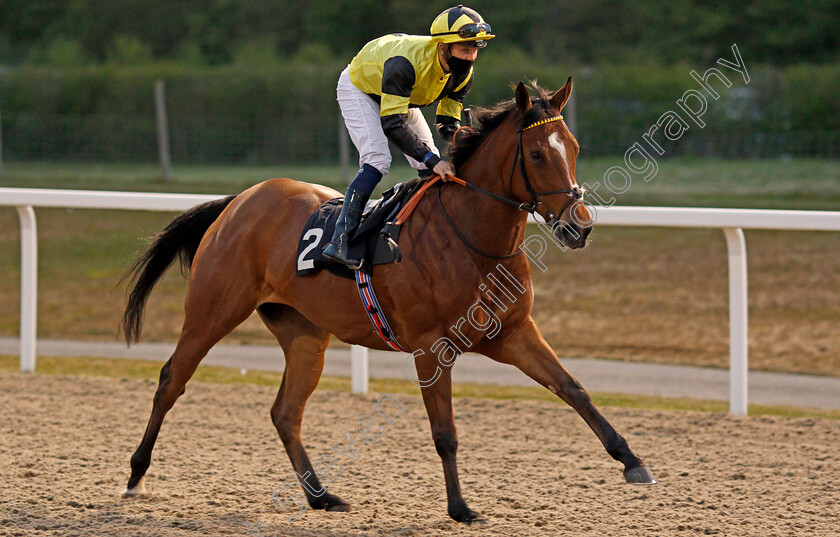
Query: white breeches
[[361, 116]]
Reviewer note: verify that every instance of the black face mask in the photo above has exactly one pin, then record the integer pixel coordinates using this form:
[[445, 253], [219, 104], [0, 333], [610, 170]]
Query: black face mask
[[459, 67]]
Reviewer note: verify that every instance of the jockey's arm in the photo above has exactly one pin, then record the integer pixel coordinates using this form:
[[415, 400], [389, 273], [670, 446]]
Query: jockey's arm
[[448, 117], [397, 81], [397, 131]]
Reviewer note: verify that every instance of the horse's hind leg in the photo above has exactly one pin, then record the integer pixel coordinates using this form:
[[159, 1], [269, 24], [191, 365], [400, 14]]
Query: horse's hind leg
[[211, 314], [303, 344]]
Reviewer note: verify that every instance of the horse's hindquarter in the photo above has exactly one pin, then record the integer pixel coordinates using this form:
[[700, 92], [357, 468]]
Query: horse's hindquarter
[[252, 244], [266, 217], [262, 229]]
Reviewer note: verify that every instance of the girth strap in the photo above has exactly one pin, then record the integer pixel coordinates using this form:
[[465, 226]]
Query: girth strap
[[374, 311]]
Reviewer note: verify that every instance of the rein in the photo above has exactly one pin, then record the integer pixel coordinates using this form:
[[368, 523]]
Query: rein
[[404, 213], [466, 241], [575, 193], [409, 207]]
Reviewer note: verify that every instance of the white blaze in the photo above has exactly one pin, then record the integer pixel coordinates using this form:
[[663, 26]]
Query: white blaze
[[554, 141]]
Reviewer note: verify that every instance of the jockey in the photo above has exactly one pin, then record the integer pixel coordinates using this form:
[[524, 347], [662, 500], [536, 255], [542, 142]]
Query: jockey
[[379, 94]]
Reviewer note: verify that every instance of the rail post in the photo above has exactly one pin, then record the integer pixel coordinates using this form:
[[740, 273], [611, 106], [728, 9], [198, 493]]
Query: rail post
[[28, 287], [736, 248], [359, 368]]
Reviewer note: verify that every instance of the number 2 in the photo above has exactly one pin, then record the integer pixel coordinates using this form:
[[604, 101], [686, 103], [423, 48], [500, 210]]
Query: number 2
[[302, 262]]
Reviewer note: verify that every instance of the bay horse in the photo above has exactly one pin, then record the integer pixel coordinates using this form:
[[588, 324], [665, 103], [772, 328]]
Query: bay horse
[[241, 256]]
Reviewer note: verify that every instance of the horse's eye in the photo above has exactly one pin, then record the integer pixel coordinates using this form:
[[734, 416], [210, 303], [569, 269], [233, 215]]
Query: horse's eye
[[536, 155]]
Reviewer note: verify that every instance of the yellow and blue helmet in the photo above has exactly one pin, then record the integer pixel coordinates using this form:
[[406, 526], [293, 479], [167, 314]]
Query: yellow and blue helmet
[[461, 24]]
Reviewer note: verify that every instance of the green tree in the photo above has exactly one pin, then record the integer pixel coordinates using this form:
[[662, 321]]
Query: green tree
[[59, 52]]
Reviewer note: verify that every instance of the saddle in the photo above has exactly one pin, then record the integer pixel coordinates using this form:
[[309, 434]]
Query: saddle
[[375, 240]]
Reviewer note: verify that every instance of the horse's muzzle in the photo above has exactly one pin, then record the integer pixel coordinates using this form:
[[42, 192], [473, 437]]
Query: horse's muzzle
[[569, 233]]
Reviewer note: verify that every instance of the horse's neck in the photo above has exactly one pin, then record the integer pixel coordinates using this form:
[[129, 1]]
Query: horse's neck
[[490, 224]]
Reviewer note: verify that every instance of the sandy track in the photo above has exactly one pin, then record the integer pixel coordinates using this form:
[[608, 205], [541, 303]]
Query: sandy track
[[532, 468]]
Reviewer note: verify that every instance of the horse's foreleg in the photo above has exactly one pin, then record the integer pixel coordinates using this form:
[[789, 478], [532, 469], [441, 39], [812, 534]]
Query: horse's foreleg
[[303, 344], [438, 400], [526, 349]]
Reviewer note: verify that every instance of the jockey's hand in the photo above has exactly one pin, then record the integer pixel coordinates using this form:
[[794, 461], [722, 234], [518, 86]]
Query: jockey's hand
[[444, 168]]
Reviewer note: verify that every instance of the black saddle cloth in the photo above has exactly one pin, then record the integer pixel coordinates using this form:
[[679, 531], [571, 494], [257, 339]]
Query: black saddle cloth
[[375, 240]]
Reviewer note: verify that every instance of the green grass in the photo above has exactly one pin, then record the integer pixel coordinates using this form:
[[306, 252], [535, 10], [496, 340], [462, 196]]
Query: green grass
[[200, 179], [767, 183], [150, 370]]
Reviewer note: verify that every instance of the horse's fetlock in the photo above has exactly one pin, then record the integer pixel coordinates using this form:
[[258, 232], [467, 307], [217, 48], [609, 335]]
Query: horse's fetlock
[[139, 463], [619, 450]]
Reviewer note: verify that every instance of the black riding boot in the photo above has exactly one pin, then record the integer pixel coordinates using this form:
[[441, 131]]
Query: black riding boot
[[348, 221]]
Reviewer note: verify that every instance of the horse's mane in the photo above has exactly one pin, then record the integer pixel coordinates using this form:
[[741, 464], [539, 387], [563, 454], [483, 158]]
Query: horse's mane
[[486, 120]]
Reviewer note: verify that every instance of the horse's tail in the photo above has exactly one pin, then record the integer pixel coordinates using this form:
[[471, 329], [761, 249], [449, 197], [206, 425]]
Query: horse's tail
[[180, 238]]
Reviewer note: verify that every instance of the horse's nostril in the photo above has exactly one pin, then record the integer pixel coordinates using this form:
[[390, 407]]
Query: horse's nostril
[[567, 233]]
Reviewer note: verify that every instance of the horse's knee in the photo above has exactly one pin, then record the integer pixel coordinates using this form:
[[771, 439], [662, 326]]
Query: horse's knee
[[287, 427], [573, 393], [576, 390], [445, 443]]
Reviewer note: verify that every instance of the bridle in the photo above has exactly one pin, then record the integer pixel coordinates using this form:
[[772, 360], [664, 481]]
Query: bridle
[[576, 193]]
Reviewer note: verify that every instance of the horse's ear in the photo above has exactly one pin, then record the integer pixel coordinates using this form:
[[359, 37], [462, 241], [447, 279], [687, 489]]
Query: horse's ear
[[523, 99], [559, 100]]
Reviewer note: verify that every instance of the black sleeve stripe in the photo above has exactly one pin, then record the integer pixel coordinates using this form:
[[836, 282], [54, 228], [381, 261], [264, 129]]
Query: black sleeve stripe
[[398, 77], [461, 93], [404, 138], [451, 84]]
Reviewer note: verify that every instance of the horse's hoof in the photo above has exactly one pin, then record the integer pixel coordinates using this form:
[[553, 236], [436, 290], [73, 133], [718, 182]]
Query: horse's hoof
[[330, 502], [138, 490], [640, 475], [467, 516]]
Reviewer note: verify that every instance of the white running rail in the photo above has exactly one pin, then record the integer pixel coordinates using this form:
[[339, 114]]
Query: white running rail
[[731, 221]]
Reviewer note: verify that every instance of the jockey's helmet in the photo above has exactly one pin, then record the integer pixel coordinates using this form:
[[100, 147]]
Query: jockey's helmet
[[461, 24]]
